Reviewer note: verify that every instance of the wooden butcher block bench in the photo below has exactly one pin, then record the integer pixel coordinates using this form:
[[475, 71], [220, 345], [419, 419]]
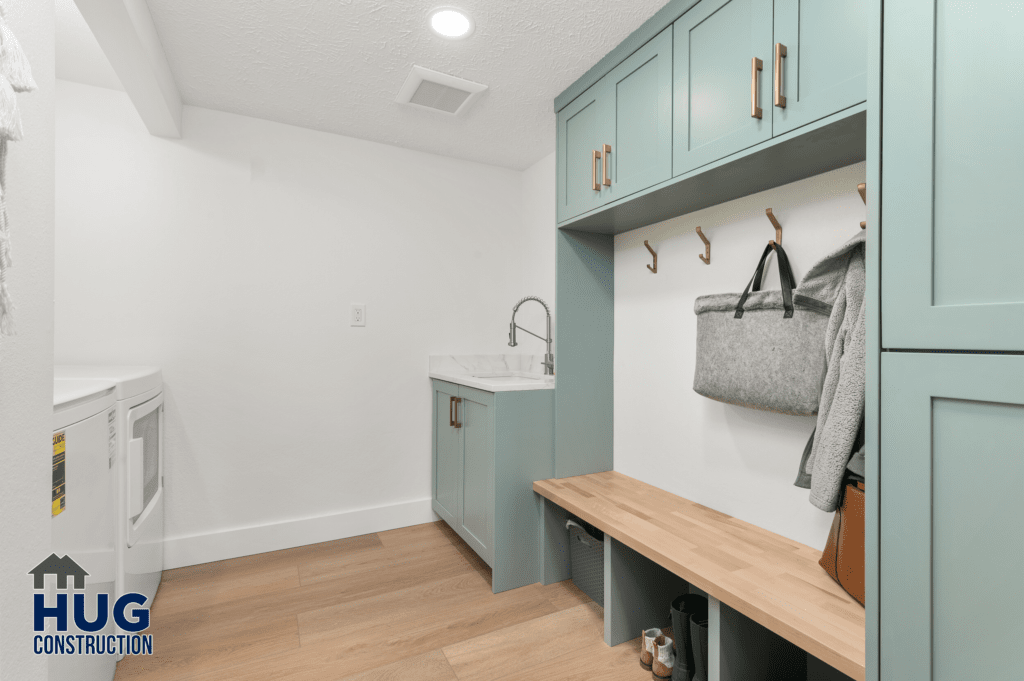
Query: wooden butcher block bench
[[765, 578]]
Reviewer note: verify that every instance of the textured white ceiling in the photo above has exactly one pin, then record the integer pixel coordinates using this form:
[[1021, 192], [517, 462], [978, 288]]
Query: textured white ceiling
[[337, 65]]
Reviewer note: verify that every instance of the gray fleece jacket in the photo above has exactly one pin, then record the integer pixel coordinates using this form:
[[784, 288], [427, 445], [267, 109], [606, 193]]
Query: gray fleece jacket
[[837, 279]]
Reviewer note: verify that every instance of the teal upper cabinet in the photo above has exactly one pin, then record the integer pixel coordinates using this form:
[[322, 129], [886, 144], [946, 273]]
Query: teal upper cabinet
[[640, 91], [722, 99], [952, 138], [615, 138], [824, 69], [581, 128]]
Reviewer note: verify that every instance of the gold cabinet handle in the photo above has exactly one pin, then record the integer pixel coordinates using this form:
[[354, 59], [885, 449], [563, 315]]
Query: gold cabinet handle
[[755, 66], [606, 152], [455, 421], [593, 170], [780, 52]]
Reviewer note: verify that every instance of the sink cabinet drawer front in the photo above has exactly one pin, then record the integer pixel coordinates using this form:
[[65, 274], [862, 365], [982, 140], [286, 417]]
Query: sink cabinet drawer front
[[447, 459], [477, 521], [714, 45], [825, 67]]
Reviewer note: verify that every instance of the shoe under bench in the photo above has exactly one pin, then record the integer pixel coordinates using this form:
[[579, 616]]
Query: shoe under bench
[[773, 613]]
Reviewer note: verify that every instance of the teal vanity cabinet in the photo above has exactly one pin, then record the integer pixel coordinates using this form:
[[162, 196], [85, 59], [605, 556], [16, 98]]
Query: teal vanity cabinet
[[488, 448], [723, 76]]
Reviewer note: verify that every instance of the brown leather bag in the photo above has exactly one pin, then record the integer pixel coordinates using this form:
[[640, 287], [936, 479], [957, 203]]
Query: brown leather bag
[[843, 558]]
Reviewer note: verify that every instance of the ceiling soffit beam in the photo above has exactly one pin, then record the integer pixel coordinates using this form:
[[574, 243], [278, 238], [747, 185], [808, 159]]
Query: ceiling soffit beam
[[125, 32]]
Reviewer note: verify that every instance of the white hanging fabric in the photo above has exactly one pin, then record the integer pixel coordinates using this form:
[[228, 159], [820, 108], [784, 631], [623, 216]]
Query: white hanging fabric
[[15, 76]]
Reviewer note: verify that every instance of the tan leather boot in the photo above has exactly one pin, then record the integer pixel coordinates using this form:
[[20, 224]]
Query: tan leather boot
[[647, 647], [664, 659]]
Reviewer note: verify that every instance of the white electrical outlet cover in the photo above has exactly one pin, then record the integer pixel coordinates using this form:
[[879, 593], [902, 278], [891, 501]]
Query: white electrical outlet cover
[[358, 314]]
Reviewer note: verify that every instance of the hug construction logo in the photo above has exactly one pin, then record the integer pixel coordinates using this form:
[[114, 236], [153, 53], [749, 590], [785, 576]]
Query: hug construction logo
[[85, 637]]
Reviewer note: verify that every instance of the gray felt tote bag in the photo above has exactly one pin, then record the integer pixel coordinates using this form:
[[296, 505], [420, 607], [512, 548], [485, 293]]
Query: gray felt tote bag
[[762, 349]]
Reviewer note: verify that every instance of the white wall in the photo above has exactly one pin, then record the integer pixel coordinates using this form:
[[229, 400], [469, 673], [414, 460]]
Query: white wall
[[735, 460], [230, 258], [26, 360], [537, 269]]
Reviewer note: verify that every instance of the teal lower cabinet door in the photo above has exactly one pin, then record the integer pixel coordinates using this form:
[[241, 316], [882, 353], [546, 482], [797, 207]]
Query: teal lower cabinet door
[[826, 63], [716, 110], [476, 525], [952, 533], [489, 448], [447, 446]]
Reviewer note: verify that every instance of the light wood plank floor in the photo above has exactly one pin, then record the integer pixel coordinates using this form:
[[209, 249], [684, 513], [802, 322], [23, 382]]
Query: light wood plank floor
[[413, 604]]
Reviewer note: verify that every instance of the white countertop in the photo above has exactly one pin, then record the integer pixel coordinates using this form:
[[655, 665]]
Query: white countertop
[[492, 373]]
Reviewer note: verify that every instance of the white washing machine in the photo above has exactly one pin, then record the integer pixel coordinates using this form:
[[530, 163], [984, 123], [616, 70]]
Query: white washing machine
[[140, 472], [83, 510]]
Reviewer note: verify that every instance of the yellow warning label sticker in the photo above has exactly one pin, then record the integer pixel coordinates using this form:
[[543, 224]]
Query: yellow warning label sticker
[[59, 453]]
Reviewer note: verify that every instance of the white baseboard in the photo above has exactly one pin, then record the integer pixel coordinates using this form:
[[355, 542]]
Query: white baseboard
[[246, 541]]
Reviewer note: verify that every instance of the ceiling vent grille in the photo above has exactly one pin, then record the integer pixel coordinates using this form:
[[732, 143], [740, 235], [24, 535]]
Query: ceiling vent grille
[[438, 91]]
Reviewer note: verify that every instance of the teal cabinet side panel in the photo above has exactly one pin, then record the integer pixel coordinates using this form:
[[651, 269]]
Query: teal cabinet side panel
[[447, 479], [584, 334], [581, 127], [825, 67], [714, 44], [953, 168], [524, 452], [476, 414], [952, 437], [641, 89]]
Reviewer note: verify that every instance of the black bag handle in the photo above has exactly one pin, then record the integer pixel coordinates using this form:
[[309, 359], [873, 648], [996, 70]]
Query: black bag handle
[[785, 275]]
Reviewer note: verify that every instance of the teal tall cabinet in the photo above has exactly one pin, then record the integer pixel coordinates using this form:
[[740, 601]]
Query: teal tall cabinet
[[951, 403]]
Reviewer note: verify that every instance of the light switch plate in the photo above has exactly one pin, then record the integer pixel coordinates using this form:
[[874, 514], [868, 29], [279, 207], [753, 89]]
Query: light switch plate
[[358, 314]]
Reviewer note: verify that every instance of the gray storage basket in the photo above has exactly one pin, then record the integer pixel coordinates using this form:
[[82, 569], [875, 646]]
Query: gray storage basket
[[586, 560]]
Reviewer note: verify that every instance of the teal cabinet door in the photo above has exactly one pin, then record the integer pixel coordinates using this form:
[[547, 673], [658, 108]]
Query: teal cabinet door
[[825, 67], [477, 522], [447, 478], [641, 149], [715, 105], [952, 136], [581, 128], [952, 464]]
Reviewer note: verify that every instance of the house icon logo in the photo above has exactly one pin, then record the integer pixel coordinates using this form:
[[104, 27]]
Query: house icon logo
[[63, 626], [62, 567]]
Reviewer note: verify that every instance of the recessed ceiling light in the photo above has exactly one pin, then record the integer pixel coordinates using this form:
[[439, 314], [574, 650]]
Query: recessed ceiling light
[[449, 22]]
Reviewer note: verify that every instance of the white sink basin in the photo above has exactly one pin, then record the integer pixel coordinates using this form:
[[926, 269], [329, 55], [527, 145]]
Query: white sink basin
[[492, 373], [500, 380]]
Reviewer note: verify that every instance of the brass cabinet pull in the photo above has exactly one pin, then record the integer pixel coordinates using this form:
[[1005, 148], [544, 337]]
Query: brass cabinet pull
[[455, 421], [593, 170], [780, 52], [755, 66], [607, 151]]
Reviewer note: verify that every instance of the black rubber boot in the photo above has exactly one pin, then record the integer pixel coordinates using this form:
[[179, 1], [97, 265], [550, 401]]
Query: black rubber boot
[[682, 608], [699, 636]]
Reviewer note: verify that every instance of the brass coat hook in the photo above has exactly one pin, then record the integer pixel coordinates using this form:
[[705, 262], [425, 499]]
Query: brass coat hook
[[655, 268], [778, 227], [863, 189], [707, 247]]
